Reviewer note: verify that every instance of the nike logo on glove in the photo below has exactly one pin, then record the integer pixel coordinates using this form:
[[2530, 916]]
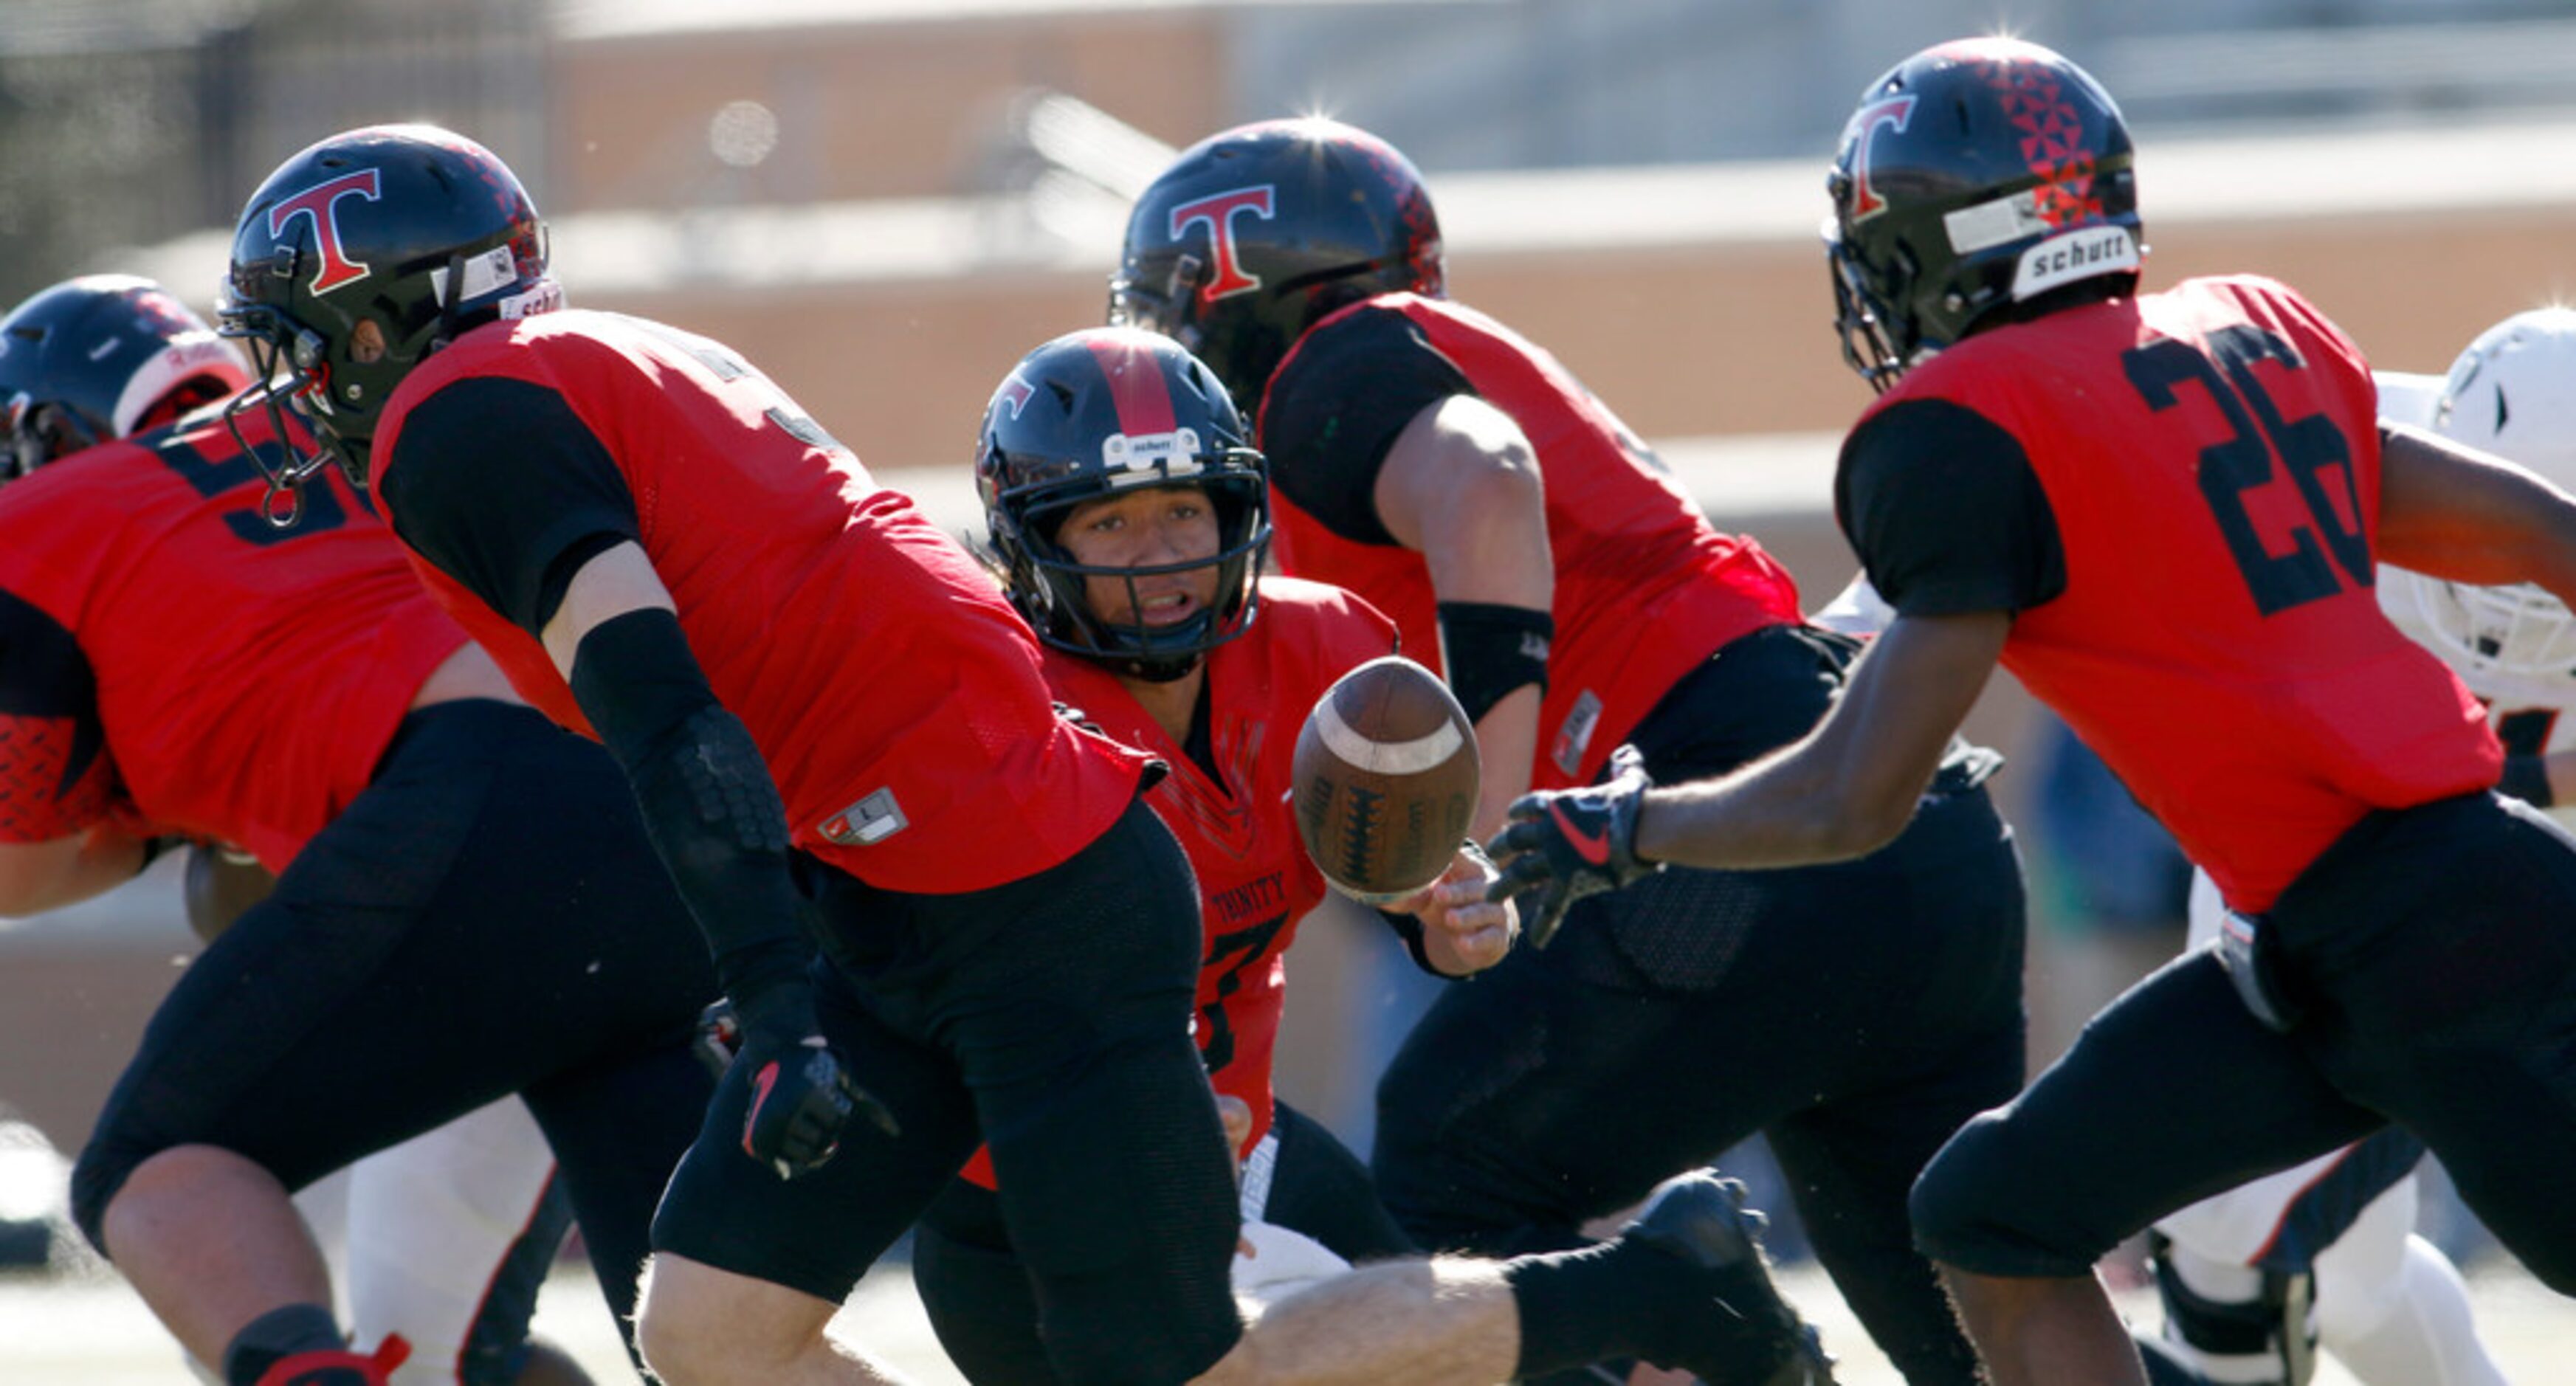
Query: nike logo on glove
[[1593, 847]]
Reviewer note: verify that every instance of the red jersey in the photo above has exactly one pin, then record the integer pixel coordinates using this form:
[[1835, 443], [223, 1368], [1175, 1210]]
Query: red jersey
[[2210, 455], [186, 662], [896, 697], [1646, 589], [1255, 879]]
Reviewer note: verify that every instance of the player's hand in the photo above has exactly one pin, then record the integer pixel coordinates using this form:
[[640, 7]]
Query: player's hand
[[1235, 1115], [1463, 931], [719, 1036], [1564, 844], [802, 1097]]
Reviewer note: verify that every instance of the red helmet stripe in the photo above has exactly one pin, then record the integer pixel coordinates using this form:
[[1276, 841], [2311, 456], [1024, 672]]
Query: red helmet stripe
[[1136, 385]]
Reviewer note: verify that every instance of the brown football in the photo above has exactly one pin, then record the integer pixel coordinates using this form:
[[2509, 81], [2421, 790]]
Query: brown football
[[1386, 774]]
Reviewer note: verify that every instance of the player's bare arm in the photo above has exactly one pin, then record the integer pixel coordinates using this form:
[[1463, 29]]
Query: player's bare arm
[[1846, 789], [2470, 516], [615, 582], [1850, 786], [40, 876], [1461, 486]]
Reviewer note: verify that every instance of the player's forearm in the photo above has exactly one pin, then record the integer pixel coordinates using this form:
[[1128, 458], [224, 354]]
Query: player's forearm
[[1785, 810], [40, 876], [2459, 514], [1506, 749], [1851, 785]]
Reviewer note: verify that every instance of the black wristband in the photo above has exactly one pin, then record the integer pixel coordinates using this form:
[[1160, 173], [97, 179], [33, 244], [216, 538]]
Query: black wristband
[[2526, 777], [709, 805], [1489, 650]]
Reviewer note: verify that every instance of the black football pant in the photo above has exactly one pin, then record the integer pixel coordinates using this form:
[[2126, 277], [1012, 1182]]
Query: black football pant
[[2432, 952], [1048, 1018], [1855, 1014], [486, 918], [977, 1291]]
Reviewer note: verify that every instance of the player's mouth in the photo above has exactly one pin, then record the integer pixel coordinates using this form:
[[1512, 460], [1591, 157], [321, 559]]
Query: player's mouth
[[1165, 608]]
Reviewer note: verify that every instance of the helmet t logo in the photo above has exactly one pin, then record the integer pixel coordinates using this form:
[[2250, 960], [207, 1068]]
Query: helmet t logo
[[1218, 212], [1893, 113], [1018, 392], [321, 203]]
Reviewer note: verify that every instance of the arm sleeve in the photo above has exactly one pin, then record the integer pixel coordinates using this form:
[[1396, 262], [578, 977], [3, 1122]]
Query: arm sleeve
[[709, 805], [1336, 407], [56, 777], [500, 485], [1946, 513]]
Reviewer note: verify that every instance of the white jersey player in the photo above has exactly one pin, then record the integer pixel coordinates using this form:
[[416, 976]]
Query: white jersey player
[[2323, 1256]]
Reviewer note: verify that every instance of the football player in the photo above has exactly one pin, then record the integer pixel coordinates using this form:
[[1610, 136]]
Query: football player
[[1128, 516], [449, 1235], [2323, 1255], [660, 547], [2163, 513], [465, 904], [1532, 550]]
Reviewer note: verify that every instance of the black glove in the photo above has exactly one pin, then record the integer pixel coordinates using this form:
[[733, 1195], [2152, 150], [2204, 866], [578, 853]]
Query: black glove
[[1564, 844], [719, 1036], [801, 1095]]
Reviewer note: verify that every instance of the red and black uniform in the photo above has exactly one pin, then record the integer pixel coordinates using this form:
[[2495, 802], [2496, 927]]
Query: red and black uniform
[[2177, 497], [174, 659], [1012, 930], [1226, 800], [145, 558], [1547, 1093], [1632, 552]]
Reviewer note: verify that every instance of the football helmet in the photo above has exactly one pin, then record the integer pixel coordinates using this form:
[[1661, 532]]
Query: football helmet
[[359, 257], [2512, 393], [100, 357], [1097, 412], [1975, 174], [1256, 232]]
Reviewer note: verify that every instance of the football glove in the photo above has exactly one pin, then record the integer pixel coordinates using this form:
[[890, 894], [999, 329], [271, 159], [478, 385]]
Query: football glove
[[802, 1097], [1564, 844]]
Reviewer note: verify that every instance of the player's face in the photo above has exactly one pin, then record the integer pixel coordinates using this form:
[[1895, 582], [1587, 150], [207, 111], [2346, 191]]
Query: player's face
[[1150, 528]]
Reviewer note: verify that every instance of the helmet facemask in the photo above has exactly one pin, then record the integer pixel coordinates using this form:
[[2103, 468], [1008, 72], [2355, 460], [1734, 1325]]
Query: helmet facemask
[[1110, 412], [1052, 587]]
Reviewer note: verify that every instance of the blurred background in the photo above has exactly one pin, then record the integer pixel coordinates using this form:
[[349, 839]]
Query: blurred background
[[885, 202]]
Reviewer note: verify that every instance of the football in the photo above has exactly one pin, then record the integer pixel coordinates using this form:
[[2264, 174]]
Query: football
[[1385, 776]]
